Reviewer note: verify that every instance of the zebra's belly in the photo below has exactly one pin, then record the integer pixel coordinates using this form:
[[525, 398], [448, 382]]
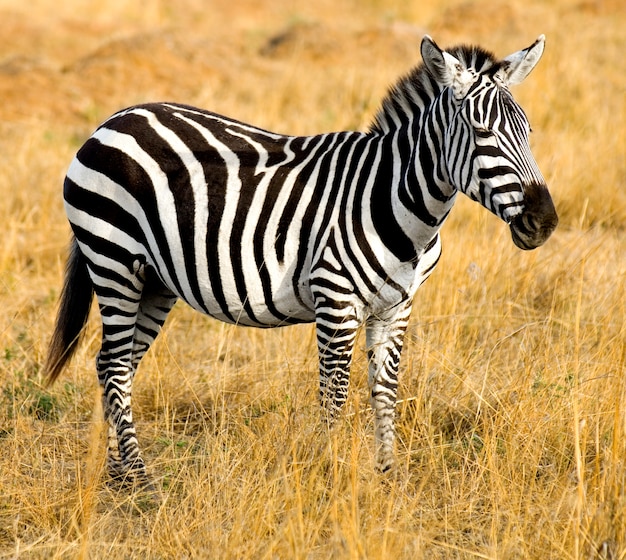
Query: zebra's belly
[[280, 306], [262, 318]]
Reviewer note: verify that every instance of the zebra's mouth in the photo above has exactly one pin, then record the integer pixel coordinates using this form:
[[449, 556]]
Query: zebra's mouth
[[535, 224]]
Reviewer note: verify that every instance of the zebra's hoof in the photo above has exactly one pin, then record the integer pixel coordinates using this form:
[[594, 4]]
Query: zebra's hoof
[[385, 467], [142, 492]]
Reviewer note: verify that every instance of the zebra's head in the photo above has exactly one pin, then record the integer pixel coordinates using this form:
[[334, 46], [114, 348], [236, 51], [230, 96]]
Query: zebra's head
[[486, 150]]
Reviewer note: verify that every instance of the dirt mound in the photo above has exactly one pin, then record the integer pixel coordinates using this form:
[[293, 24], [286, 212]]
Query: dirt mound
[[67, 73], [117, 72]]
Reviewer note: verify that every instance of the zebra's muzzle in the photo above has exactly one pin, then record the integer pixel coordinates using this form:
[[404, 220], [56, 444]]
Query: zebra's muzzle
[[535, 224]]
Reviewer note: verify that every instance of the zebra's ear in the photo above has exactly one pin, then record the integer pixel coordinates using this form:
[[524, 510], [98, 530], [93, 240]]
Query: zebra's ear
[[445, 68], [441, 65], [518, 65]]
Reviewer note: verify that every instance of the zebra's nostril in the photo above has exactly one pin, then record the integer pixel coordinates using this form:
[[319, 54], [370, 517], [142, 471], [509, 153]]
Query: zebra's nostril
[[530, 231]]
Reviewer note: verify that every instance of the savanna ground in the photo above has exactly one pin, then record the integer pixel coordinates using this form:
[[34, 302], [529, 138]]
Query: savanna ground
[[513, 384]]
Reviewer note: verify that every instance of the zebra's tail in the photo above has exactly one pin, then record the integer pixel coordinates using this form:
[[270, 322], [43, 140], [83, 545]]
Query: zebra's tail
[[74, 306]]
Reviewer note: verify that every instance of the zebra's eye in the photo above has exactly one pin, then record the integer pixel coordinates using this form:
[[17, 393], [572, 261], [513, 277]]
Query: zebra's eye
[[482, 132]]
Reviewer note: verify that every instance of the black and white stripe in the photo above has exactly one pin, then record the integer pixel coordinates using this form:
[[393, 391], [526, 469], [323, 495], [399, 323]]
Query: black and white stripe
[[168, 201]]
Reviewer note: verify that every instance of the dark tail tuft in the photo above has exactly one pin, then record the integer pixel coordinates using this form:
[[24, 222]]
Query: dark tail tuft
[[74, 306]]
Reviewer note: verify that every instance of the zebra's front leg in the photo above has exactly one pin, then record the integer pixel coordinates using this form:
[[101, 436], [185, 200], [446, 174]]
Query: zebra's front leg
[[384, 338], [335, 341]]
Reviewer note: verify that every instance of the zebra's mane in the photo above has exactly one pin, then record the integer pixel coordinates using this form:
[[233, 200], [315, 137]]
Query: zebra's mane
[[407, 99]]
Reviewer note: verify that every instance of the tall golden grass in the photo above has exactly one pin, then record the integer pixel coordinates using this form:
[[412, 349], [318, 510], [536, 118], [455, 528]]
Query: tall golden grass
[[513, 391]]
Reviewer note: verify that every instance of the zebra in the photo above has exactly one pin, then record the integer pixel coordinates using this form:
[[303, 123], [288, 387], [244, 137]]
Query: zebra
[[167, 201]]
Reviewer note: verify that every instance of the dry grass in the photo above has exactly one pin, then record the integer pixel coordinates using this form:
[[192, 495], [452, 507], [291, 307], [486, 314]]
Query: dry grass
[[511, 427]]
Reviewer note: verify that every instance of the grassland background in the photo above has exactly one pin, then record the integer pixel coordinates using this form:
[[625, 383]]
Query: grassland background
[[513, 386]]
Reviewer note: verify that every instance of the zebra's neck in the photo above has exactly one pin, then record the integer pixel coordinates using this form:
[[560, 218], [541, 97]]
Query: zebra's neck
[[406, 101], [412, 171]]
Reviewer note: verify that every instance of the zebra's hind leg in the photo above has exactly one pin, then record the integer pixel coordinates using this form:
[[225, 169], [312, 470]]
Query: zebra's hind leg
[[124, 459], [115, 375], [156, 303]]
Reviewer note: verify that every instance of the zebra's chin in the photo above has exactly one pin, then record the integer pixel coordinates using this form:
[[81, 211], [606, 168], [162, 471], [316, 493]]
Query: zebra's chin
[[535, 224]]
